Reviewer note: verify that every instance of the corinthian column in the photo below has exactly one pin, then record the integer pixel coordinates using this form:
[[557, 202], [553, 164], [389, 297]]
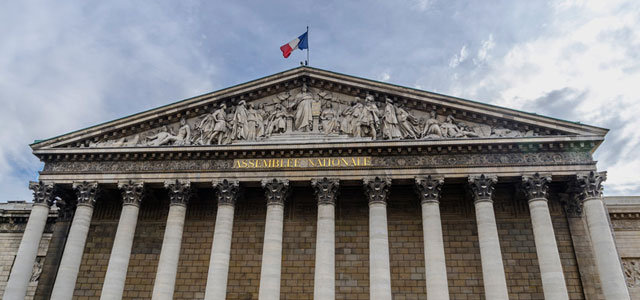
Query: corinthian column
[[276, 191], [495, 283], [164, 285], [227, 193], [604, 248], [326, 191], [434, 260], [114, 280], [553, 284], [16, 288], [74, 247], [377, 189]]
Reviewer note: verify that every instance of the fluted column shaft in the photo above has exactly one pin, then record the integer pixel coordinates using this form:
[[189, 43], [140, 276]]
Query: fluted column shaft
[[605, 252], [72, 255], [20, 275], [326, 191], [377, 190], [553, 283], [495, 283], [164, 285], [116, 275], [216, 288], [434, 259], [114, 280], [275, 192], [18, 283], [604, 248], [74, 247]]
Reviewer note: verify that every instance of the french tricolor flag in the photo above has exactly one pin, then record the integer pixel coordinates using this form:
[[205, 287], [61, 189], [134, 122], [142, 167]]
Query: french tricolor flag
[[300, 42]]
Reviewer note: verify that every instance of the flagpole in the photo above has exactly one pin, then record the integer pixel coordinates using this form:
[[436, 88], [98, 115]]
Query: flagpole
[[307, 45]]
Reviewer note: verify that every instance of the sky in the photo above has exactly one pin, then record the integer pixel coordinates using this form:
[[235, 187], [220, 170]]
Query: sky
[[67, 65]]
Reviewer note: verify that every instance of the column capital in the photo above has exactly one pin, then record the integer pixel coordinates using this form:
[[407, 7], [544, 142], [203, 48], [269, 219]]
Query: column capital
[[42, 192], [589, 185], [275, 190], [428, 188], [179, 191], [227, 191], [132, 192], [536, 186], [326, 189], [482, 186], [377, 189], [86, 192]]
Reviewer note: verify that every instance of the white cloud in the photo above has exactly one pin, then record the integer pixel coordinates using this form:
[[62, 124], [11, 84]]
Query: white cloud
[[65, 67], [483, 52], [592, 50], [458, 58], [424, 4], [384, 76]]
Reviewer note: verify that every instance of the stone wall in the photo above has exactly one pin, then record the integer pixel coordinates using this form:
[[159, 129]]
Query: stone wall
[[625, 219], [13, 217], [352, 248]]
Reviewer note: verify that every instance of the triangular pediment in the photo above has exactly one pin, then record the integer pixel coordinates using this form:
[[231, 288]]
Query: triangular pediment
[[307, 105]]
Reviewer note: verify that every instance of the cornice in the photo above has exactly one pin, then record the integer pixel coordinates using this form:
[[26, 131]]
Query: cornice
[[257, 150]]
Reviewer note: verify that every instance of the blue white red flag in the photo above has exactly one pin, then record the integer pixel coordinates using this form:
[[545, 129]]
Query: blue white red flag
[[300, 42]]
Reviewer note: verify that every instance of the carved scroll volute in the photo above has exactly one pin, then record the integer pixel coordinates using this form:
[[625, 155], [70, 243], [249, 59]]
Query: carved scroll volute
[[132, 192], [482, 187], [428, 188], [377, 189], [179, 191], [227, 191], [326, 189], [42, 192], [536, 186], [571, 203], [589, 185], [275, 190], [86, 192]]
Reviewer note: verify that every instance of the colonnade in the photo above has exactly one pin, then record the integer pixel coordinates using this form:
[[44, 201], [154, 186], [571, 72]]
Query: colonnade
[[326, 191]]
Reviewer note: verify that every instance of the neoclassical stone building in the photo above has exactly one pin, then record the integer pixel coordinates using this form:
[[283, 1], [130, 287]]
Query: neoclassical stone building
[[308, 184]]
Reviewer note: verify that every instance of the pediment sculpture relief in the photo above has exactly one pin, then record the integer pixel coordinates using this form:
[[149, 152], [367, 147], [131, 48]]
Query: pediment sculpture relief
[[310, 115]]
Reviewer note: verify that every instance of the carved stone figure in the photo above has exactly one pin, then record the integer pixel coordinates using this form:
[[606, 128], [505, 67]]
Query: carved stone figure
[[240, 129], [432, 127], [450, 129], [329, 120], [304, 113], [467, 131], [349, 115], [369, 120], [203, 130], [37, 269], [407, 123], [390, 124], [285, 113], [277, 121], [260, 116], [166, 137], [220, 125], [254, 121]]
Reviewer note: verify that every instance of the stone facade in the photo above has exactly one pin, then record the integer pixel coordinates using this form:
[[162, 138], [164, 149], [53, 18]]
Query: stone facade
[[13, 217], [405, 237], [309, 184]]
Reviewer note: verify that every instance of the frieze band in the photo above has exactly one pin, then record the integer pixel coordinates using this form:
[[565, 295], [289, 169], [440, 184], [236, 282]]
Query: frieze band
[[403, 161]]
